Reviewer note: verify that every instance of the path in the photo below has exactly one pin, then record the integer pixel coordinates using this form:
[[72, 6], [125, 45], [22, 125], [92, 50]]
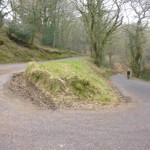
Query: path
[[24, 126]]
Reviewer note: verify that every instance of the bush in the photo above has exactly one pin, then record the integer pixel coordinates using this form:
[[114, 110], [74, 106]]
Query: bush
[[145, 74], [47, 38], [23, 34]]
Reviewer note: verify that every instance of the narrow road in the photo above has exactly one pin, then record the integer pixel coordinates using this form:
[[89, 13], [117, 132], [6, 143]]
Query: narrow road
[[24, 126]]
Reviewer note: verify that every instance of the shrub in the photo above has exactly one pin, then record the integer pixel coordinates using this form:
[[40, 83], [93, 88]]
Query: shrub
[[145, 74], [47, 38], [23, 34]]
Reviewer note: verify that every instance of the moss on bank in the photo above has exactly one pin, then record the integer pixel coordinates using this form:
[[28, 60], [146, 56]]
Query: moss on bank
[[11, 52]]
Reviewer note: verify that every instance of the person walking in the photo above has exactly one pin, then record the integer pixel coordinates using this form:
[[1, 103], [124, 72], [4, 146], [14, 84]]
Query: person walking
[[128, 73]]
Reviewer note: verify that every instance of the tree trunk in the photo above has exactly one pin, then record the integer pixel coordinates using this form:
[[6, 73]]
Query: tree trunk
[[99, 55], [54, 39], [1, 20]]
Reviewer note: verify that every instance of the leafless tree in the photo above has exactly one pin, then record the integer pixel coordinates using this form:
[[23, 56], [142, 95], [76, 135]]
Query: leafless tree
[[4, 11], [101, 18], [135, 32]]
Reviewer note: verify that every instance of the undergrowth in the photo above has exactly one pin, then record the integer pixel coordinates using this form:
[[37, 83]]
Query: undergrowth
[[11, 52], [145, 74]]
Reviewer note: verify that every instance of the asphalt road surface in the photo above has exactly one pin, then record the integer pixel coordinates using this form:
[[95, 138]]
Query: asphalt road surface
[[24, 126]]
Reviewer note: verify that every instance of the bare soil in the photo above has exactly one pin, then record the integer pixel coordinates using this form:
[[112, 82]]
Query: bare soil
[[27, 91]]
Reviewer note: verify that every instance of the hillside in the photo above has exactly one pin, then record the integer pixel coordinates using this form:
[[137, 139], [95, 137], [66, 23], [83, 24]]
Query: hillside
[[13, 52]]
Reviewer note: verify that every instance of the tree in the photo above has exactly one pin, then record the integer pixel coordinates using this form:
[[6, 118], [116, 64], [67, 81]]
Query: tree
[[1, 15], [78, 39], [51, 22], [101, 18], [135, 33], [57, 18], [3, 10]]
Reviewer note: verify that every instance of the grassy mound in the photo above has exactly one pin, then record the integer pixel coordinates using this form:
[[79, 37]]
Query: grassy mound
[[70, 82], [11, 52]]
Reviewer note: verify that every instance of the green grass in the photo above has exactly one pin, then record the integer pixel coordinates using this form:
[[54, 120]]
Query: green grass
[[70, 81], [11, 52]]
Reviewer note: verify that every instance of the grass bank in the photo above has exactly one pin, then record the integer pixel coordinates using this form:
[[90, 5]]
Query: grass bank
[[11, 52], [71, 83]]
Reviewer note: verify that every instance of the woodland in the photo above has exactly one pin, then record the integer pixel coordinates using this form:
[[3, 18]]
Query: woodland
[[110, 31]]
